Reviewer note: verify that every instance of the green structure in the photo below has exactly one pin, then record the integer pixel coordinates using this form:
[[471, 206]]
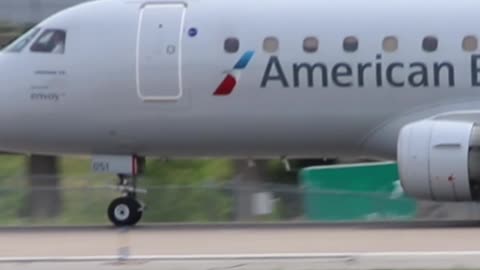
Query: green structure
[[355, 192]]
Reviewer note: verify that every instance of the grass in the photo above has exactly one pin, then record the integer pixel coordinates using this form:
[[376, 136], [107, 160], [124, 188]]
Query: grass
[[181, 191]]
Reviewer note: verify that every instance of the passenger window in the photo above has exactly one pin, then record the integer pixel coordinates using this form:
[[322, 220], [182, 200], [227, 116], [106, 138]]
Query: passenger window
[[23, 41], [270, 44], [50, 41], [390, 44], [470, 43], [232, 45], [310, 44], [430, 44], [350, 44]]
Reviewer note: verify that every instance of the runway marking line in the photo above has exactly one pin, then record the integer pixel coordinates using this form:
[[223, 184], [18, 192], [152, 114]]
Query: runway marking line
[[267, 256]]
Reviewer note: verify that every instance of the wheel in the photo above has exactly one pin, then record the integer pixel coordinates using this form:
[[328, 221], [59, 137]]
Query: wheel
[[139, 212], [125, 211]]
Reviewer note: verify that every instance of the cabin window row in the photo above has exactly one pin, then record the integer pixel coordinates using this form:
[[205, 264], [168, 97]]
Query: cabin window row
[[350, 44]]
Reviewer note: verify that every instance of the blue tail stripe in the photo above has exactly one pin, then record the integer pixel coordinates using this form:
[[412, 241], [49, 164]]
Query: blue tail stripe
[[243, 62]]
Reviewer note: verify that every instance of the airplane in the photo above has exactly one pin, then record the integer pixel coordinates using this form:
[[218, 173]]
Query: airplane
[[122, 80]]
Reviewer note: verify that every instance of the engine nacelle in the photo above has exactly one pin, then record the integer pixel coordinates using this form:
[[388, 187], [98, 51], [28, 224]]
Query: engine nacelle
[[440, 160]]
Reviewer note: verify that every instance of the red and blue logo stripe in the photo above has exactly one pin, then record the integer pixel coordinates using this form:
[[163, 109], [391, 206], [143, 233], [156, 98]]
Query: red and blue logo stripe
[[228, 84]]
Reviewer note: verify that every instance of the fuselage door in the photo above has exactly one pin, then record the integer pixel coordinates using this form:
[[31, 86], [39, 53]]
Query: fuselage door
[[159, 52]]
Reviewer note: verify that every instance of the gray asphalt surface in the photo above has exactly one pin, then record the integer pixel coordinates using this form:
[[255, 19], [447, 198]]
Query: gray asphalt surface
[[354, 242], [413, 262], [102, 242]]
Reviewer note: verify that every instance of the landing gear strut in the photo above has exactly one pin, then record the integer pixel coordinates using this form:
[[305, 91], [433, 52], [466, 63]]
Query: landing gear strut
[[126, 210]]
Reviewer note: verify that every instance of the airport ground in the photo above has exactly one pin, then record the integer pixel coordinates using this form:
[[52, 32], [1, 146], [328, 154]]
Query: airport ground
[[446, 245]]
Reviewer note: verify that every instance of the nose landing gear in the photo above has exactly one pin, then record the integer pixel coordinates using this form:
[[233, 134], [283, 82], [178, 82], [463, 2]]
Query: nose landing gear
[[126, 210]]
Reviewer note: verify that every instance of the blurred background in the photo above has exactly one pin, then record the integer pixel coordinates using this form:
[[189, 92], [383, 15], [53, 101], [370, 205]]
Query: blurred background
[[62, 190], [31, 11]]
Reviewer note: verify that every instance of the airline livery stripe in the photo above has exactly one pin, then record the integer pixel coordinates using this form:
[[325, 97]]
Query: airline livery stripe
[[243, 62], [228, 84], [226, 87]]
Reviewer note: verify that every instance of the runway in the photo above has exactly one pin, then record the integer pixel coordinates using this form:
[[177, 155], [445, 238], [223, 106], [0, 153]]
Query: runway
[[105, 241], [245, 247], [330, 263]]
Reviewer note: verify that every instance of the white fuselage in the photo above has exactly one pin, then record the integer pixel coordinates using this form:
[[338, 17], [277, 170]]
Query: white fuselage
[[132, 81]]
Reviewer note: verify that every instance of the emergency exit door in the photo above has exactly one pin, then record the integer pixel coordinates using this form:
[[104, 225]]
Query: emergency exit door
[[159, 52]]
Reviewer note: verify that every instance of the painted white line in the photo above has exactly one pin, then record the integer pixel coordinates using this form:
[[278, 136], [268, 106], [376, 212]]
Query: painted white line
[[266, 256]]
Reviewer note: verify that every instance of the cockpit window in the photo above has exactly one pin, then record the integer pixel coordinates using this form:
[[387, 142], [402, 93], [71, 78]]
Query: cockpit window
[[23, 41], [50, 41]]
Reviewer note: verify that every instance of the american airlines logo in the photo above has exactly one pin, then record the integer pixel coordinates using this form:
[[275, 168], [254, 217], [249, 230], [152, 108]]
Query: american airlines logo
[[376, 73], [231, 79]]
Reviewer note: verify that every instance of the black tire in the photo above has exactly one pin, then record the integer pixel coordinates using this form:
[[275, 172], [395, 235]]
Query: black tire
[[137, 218], [125, 211], [139, 215]]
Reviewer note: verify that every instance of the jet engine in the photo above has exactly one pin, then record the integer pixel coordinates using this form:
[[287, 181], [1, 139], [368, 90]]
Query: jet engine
[[440, 160]]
